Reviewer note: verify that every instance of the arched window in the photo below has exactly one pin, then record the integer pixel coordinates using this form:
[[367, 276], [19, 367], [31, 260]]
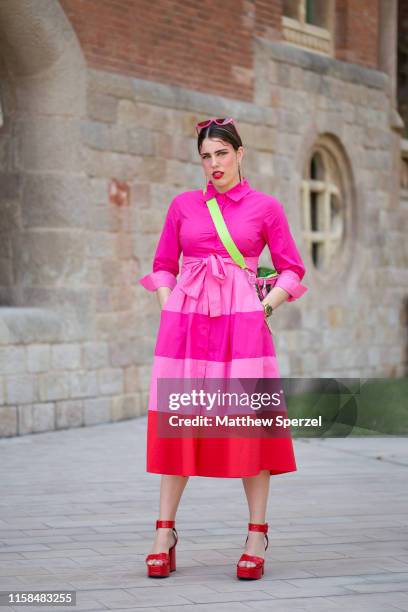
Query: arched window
[[326, 203]]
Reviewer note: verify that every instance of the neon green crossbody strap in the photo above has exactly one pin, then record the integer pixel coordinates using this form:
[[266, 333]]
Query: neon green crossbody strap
[[224, 234]]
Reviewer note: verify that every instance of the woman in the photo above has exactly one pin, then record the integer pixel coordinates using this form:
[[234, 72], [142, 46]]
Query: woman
[[213, 326]]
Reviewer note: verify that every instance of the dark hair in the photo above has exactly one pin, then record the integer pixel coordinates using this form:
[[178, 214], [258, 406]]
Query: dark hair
[[225, 132]]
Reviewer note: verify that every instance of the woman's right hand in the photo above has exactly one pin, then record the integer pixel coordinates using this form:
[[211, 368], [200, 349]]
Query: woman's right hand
[[162, 295]]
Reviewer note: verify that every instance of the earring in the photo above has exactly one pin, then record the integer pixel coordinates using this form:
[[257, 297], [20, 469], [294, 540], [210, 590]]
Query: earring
[[240, 176]]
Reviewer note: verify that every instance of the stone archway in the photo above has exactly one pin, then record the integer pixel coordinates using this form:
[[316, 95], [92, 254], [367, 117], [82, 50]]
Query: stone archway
[[43, 80], [43, 220]]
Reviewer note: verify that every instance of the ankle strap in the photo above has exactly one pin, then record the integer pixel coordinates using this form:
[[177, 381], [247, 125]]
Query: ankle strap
[[165, 523], [258, 527]]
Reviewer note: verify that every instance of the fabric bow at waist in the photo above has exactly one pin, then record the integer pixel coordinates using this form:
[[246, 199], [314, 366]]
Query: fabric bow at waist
[[208, 273]]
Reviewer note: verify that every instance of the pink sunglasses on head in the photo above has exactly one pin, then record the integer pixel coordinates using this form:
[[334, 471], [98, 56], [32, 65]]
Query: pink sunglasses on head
[[204, 124]]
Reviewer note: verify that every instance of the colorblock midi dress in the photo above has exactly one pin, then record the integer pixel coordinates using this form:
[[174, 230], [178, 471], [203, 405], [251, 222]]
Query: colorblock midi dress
[[212, 324]]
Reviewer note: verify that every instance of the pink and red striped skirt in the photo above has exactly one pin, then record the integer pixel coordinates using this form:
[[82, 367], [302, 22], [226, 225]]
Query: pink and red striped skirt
[[212, 326]]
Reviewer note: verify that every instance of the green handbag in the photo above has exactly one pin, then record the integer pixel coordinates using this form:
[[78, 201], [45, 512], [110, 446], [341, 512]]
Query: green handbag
[[265, 277]]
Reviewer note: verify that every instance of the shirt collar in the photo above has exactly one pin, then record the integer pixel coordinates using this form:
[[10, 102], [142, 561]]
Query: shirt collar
[[236, 193]]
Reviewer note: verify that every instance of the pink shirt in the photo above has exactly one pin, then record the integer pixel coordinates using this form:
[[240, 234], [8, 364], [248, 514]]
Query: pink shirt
[[254, 219]]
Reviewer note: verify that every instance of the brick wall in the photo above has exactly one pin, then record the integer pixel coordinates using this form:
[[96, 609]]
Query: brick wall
[[203, 45], [357, 23]]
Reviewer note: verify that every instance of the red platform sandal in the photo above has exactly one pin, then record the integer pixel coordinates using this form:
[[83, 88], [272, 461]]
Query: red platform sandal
[[162, 570], [256, 571]]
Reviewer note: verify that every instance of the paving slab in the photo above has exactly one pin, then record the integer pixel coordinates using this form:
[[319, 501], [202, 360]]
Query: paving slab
[[80, 510]]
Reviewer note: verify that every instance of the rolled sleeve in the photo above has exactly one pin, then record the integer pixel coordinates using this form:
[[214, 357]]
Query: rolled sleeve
[[167, 255], [284, 253], [290, 282], [154, 280]]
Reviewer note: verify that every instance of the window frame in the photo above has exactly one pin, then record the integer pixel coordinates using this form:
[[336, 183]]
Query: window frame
[[314, 38], [337, 184]]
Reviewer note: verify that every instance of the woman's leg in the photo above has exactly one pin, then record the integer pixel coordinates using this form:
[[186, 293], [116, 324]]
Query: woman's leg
[[171, 490], [256, 490]]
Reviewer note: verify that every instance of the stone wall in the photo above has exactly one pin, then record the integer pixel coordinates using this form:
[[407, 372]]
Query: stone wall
[[57, 368], [76, 330], [345, 326]]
